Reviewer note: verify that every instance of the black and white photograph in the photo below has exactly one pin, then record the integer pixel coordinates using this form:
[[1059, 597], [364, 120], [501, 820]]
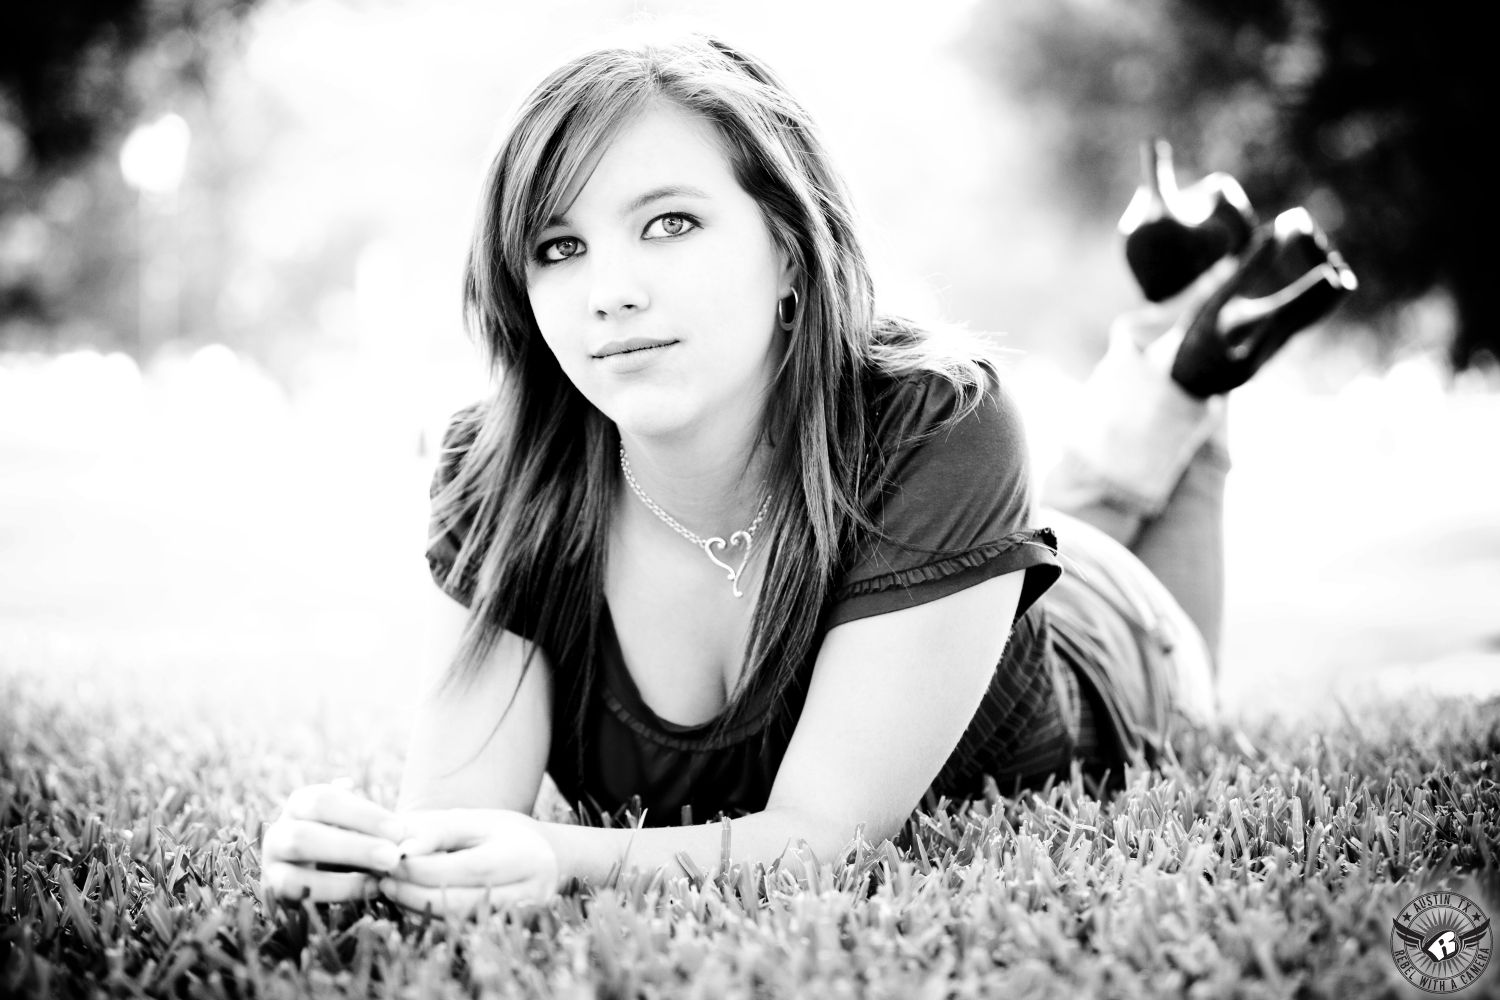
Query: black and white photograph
[[647, 499]]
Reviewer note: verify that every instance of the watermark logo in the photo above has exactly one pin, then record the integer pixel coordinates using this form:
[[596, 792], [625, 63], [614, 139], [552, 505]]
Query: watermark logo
[[1441, 942]]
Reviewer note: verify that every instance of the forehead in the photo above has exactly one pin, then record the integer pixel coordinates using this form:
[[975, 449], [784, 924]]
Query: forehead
[[663, 145]]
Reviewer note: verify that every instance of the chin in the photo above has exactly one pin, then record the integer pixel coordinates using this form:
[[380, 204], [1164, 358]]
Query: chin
[[651, 415], [655, 426]]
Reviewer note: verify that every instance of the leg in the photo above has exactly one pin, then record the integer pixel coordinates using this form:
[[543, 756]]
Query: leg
[[1146, 464], [1138, 616], [1184, 544], [1148, 459]]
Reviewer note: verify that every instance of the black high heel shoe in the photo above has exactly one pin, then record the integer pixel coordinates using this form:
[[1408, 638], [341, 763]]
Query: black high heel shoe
[[1172, 236], [1289, 279]]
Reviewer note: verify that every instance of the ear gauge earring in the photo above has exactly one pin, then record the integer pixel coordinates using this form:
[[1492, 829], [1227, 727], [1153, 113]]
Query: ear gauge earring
[[789, 321]]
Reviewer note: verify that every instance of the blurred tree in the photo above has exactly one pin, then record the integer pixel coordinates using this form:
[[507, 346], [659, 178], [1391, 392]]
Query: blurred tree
[[1371, 114], [75, 77]]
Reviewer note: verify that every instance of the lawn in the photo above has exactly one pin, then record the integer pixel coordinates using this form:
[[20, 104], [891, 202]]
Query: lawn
[[182, 643], [1267, 863]]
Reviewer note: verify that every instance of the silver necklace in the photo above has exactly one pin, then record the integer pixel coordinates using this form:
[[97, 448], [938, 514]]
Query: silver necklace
[[708, 545]]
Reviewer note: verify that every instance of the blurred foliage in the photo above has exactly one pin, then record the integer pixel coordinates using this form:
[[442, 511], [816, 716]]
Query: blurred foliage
[[1370, 114], [71, 70], [75, 77]]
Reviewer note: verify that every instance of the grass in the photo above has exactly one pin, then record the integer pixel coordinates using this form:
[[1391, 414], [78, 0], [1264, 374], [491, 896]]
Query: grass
[[129, 866]]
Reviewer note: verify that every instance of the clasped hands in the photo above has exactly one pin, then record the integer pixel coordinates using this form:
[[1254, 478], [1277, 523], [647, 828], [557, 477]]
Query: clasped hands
[[333, 845]]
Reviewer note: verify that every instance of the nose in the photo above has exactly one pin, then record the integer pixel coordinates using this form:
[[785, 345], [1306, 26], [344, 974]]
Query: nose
[[616, 288]]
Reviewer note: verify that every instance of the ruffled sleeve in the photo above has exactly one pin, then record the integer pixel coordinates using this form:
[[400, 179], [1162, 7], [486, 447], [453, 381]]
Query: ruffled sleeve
[[445, 536], [953, 509]]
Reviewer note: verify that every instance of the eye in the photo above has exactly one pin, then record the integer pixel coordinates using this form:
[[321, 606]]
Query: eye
[[669, 225], [558, 250]]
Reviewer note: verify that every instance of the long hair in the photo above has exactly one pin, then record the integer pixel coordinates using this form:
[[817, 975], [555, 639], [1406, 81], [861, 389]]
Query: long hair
[[535, 483]]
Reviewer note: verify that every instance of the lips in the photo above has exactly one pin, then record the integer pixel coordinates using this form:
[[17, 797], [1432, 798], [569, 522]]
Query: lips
[[631, 346]]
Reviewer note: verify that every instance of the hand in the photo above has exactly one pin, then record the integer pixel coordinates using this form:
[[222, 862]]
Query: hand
[[329, 825], [461, 860]]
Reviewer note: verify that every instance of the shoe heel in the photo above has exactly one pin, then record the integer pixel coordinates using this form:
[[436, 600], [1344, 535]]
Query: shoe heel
[[1302, 246], [1173, 235], [1290, 278]]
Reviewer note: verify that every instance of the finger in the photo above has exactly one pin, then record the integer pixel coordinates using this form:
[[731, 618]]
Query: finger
[[458, 903], [298, 840], [418, 846], [487, 865], [288, 881], [429, 831], [340, 806], [442, 902]]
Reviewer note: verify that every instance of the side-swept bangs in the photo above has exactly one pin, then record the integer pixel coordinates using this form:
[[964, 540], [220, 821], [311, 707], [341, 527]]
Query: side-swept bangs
[[537, 479], [559, 132]]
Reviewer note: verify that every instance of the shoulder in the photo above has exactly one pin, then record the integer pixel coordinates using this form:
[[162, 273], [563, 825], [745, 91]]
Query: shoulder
[[932, 433], [948, 504], [458, 438], [921, 381], [451, 523]]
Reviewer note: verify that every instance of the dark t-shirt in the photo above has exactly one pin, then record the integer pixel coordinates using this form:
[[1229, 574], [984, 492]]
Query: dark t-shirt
[[953, 510]]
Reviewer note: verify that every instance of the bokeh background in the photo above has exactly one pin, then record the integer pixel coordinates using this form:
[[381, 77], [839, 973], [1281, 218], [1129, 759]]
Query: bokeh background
[[230, 243]]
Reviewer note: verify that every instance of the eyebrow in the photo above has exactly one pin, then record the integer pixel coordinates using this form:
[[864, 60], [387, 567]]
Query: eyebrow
[[669, 191], [640, 202]]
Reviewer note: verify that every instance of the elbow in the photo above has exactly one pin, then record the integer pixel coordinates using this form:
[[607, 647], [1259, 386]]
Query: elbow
[[828, 835], [886, 828]]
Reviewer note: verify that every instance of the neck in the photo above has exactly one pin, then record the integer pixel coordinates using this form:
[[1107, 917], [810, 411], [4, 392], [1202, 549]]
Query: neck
[[712, 484]]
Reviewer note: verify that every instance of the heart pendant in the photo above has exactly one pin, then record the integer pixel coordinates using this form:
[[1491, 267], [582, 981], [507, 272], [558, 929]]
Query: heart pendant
[[711, 545]]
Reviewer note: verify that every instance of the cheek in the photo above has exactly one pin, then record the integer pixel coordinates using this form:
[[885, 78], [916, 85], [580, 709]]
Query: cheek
[[549, 309], [738, 280]]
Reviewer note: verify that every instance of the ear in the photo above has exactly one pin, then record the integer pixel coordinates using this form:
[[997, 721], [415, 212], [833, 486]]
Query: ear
[[790, 277]]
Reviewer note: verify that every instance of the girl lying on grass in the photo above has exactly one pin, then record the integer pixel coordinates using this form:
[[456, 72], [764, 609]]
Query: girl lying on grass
[[725, 540]]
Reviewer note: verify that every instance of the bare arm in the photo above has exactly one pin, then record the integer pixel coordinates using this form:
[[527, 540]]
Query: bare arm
[[457, 755], [889, 699]]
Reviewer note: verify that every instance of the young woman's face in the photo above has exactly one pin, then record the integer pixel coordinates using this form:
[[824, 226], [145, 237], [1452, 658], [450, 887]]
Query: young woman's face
[[657, 288]]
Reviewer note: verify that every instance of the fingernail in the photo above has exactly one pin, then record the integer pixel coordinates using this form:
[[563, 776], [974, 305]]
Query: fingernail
[[387, 857]]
